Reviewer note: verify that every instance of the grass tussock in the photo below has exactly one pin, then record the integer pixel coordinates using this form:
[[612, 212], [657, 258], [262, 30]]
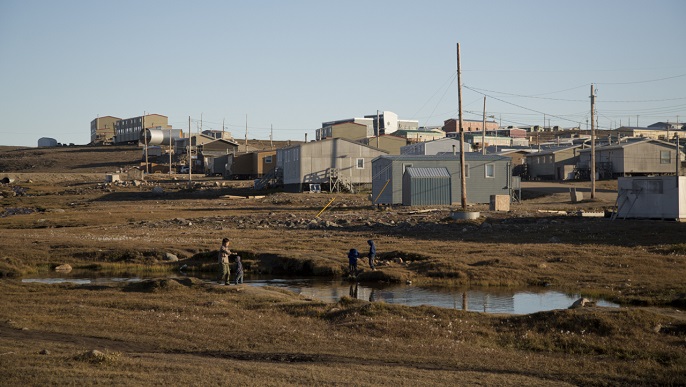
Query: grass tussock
[[158, 285], [98, 357], [623, 334]]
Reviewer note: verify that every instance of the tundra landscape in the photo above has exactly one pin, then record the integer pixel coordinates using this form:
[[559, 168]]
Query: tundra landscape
[[186, 330]]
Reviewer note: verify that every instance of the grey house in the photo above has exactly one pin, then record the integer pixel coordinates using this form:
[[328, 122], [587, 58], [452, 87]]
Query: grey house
[[434, 147], [486, 175], [329, 162], [426, 187], [632, 158], [553, 164]]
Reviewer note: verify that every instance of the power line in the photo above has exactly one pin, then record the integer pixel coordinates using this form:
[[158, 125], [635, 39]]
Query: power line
[[635, 82], [521, 107]]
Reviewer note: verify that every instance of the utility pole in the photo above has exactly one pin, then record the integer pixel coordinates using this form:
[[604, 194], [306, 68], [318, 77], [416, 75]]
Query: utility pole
[[463, 181], [592, 143], [147, 165], [483, 131], [223, 130], [378, 128], [246, 133], [170, 151], [678, 159], [271, 136], [190, 149]]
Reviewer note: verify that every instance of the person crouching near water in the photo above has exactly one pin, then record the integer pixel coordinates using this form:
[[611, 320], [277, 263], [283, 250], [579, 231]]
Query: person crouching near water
[[239, 270], [224, 254], [372, 254], [353, 255]]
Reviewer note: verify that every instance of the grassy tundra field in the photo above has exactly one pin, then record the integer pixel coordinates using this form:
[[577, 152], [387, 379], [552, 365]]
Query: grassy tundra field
[[186, 331]]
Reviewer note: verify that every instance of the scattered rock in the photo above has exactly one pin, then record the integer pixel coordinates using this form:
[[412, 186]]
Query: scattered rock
[[170, 257], [44, 352], [65, 268], [581, 302], [158, 190]]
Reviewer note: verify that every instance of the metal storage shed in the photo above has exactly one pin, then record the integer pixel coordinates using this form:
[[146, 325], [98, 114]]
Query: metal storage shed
[[661, 197], [426, 186]]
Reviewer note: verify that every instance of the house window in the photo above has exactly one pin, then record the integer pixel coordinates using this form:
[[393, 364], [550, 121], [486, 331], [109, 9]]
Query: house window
[[268, 160], [647, 186], [466, 171], [665, 157], [360, 163], [490, 171]]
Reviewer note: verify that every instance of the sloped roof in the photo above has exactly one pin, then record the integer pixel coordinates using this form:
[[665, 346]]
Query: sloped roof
[[629, 143], [427, 172], [555, 150], [469, 156]]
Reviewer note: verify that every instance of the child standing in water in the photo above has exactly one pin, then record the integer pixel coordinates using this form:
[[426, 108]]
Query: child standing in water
[[372, 253], [353, 255], [224, 254], [239, 270]]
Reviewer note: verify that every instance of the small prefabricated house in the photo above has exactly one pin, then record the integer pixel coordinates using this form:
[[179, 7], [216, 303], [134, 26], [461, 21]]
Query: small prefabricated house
[[251, 165], [317, 162], [387, 142], [633, 157], [553, 164], [486, 175], [434, 147], [426, 186], [661, 197]]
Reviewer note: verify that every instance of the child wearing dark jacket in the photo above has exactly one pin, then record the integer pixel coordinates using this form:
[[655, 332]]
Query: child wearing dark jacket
[[353, 255], [239, 270]]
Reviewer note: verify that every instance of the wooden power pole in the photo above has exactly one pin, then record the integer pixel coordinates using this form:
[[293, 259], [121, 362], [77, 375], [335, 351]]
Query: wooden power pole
[[592, 143], [483, 131], [463, 180]]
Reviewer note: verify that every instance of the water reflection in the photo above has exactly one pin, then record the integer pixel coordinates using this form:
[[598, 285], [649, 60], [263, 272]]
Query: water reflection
[[488, 300]]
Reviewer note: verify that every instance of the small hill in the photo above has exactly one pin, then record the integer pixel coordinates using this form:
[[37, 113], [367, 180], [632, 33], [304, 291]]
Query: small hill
[[81, 159]]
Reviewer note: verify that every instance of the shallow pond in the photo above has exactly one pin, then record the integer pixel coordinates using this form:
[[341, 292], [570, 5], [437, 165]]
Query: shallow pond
[[488, 300]]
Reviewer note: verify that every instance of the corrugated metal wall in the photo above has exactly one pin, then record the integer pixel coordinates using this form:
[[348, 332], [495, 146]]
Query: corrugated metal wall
[[426, 187], [388, 171]]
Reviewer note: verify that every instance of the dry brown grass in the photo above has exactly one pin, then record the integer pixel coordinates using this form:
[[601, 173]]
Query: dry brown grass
[[186, 332], [189, 332]]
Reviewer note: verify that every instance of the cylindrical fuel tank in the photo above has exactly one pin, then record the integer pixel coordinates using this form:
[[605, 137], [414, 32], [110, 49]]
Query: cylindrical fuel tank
[[160, 136]]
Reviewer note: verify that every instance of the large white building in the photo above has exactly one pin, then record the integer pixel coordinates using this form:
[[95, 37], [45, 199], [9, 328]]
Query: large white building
[[384, 122]]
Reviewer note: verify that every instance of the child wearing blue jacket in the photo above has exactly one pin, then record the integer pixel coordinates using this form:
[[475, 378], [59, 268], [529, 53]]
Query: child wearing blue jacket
[[353, 255]]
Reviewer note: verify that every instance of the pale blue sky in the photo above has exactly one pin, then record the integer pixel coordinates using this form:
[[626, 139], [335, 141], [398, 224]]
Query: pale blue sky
[[296, 64]]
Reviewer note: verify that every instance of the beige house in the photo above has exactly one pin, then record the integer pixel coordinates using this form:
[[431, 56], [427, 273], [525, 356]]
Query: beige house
[[387, 142], [347, 130], [413, 136], [252, 165], [102, 130], [553, 164], [633, 158], [656, 133]]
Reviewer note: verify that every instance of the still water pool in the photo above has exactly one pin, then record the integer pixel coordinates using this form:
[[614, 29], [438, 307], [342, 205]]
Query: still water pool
[[488, 300]]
